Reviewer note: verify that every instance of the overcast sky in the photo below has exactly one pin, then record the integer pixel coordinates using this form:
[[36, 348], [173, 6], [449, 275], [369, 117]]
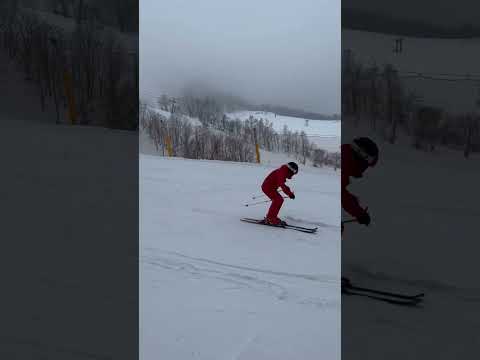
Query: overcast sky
[[267, 51]]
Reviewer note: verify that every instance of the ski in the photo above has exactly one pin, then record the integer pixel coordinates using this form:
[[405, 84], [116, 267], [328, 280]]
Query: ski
[[391, 297], [384, 298], [293, 227], [385, 293]]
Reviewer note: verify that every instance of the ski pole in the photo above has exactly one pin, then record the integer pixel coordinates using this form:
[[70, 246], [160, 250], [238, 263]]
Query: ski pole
[[262, 202], [352, 220], [258, 196]]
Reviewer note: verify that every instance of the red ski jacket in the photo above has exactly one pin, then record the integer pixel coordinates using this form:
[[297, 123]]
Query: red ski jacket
[[350, 167], [276, 179]]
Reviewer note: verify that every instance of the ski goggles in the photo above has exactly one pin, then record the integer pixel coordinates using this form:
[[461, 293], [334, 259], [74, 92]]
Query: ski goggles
[[292, 169], [371, 160]]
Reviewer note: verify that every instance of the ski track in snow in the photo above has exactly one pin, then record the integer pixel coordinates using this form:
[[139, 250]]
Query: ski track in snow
[[432, 287], [244, 277]]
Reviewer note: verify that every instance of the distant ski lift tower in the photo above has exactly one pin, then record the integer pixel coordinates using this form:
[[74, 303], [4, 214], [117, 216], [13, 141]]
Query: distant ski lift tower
[[173, 102], [398, 45]]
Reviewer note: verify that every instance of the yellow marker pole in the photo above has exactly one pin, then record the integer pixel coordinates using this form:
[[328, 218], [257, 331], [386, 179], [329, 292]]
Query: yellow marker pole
[[258, 153], [70, 98], [257, 148], [168, 142]]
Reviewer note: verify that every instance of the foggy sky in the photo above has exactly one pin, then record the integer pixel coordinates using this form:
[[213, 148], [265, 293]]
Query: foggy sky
[[267, 51]]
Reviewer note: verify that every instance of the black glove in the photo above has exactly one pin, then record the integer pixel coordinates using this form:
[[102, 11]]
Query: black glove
[[291, 196], [364, 219]]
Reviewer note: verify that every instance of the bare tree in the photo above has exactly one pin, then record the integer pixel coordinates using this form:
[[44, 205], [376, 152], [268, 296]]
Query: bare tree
[[470, 124]]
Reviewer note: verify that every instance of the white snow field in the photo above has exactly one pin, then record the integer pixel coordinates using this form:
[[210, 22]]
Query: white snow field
[[431, 219], [61, 196], [324, 133], [213, 287]]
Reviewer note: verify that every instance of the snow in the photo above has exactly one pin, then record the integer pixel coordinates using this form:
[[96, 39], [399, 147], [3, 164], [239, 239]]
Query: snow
[[146, 146], [67, 231], [421, 239], [213, 287], [167, 114], [324, 133]]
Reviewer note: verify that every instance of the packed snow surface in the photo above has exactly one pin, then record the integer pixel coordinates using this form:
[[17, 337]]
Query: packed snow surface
[[213, 287], [424, 210]]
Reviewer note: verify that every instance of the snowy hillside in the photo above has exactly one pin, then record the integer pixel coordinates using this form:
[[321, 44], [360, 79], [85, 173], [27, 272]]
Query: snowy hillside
[[432, 213], [324, 133], [147, 147], [374, 48], [167, 114], [213, 287]]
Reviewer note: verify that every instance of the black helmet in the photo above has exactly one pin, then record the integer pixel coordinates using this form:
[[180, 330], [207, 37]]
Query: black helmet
[[366, 149], [293, 167]]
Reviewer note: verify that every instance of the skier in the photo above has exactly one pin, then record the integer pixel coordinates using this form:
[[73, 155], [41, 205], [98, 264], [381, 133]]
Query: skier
[[272, 182], [357, 157]]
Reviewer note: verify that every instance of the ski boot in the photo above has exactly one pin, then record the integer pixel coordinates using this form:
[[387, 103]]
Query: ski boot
[[275, 222]]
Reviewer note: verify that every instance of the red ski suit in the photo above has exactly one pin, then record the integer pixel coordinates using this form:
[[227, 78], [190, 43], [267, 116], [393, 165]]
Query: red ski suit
[[351, 167], [272, 182]]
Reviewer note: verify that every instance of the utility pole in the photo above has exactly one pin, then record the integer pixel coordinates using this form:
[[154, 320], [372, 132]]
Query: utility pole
[[398, 45]]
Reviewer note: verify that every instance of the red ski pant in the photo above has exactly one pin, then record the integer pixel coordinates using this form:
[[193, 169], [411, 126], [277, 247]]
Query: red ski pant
[[277, 201]]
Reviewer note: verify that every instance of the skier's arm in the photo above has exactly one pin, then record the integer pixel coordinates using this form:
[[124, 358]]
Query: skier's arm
[[286, 190], [280, 180], [350, 204]]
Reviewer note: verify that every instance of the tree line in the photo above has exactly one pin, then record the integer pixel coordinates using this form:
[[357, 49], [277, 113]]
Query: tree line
[[223, 138], [87, 70], [376, 96]]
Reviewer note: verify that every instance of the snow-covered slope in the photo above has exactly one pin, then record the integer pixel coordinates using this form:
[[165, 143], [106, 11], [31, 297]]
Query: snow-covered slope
[[66, 229], [422, 239], [213, 287], [324, 133], [167, 114]]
